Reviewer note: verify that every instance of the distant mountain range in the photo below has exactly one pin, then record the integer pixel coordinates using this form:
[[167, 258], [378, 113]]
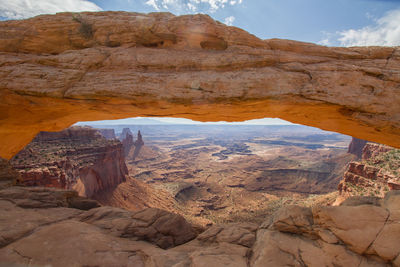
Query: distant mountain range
[[180, 121], [130, 121]]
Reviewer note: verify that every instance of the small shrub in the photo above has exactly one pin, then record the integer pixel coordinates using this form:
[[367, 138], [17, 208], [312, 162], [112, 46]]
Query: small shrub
[[85, 29]]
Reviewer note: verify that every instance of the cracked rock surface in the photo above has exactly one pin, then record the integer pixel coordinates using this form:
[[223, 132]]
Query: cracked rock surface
[[51, 232]]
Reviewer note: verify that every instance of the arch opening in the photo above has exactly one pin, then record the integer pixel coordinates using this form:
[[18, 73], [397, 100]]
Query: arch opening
[[210, 172]]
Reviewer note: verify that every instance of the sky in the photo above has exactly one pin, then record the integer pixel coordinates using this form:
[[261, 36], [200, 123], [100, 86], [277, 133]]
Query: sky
[[165, 120], [326, 22]]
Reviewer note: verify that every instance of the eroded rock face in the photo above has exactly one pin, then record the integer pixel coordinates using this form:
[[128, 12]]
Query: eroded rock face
[[375, 174], [59, 69], [8, 176], [356, 147], [107, 133], [353, 235], [77, 158], [328, 236]]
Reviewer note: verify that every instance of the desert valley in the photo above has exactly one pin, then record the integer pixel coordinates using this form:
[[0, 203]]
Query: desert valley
[[207, 173], [221, 182]]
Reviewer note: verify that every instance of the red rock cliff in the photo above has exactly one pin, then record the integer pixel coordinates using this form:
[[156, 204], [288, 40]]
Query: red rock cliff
[[77, 158], [374, 175], [356, 147]]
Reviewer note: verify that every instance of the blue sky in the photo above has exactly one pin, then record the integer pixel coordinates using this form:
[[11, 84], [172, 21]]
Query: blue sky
[[162, 120], [328, 22]]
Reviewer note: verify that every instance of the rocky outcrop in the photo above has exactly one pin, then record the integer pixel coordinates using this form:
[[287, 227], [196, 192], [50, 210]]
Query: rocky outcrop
[[138, 145], [331, 236], [126, 138], [127, 143], [131, 148], [107, 133], [106, 236], [356, 147], [372, 152], [69, 67], [377, 173], [124, 134], [8, 176], [77, 158], [45, 198]]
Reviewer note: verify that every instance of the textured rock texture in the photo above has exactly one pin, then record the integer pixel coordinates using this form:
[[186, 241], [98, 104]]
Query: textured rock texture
[[59, 69], [39, 227], [8, 176], [375, 174], [76, 158]]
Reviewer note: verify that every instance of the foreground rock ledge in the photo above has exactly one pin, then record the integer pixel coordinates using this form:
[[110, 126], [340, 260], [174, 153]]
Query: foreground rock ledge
[[59, 69], [45, 226]]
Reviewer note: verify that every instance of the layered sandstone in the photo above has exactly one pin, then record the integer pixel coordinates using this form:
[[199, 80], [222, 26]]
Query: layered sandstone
[[104, 236], [377, 173], [59, 69], [77, 158]]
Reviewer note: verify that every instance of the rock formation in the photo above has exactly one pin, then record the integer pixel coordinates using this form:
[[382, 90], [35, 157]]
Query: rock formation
[[73, 231], [138, 145], [59, 69], [356, 147], [8, 176], [126, 138], [77, 158], [127, 143], [331, 236], [107, 133], [377, 173], [124, 134]]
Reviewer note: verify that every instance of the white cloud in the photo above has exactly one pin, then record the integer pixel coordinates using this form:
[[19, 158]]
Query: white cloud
[[153, 4], [229, 20], [20, 9], [180, 6], [325, 42], [385, 32]]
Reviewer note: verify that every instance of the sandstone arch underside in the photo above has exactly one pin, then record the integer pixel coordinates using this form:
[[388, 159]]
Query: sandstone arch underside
[[56, 70]]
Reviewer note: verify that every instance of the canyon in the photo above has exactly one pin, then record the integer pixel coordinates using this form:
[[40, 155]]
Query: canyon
[[236, 173], [77, 158], [376, 172], [56, 70], [208, 174]]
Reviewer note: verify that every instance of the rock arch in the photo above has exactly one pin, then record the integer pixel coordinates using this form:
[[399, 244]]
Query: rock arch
[[53, 73]]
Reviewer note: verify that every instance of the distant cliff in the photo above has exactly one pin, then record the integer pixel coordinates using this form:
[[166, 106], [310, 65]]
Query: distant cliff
[[107, 133], [376, 173], [138, 145], [131, 148], [356, 147], [125, 132], [78, 158]]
